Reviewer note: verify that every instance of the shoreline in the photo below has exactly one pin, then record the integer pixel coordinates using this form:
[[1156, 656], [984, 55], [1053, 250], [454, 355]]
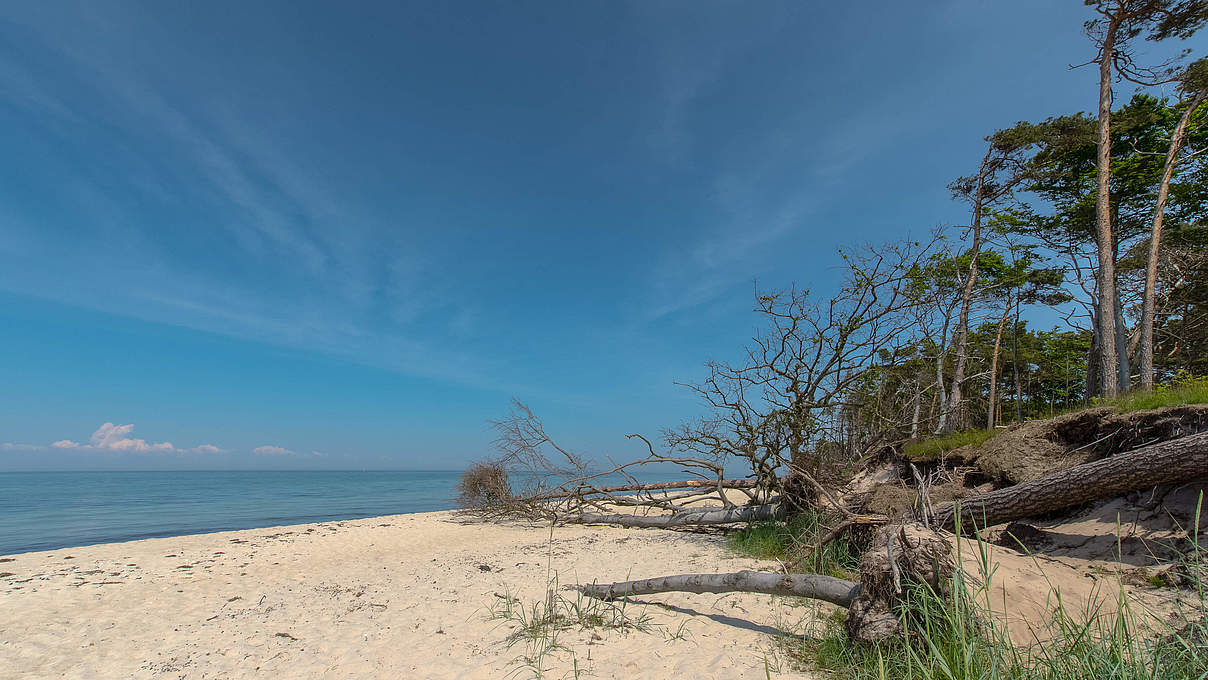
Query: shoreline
[[226, 530], [407, 594]]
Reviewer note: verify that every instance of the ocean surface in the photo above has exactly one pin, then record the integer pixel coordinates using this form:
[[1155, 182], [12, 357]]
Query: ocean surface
[[49, 510]]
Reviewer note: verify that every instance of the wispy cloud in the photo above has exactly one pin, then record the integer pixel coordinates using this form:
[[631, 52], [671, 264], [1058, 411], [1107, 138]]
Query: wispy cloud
[[296, 263], [272, 451]]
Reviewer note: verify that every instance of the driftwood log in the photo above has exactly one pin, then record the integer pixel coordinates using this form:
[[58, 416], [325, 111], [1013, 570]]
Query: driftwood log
[[745, 513], [655, 486], [900, 555], [817, 586], [1177, 460]]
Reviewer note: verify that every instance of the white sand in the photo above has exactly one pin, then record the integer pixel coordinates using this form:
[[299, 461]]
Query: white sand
[[402, 597]]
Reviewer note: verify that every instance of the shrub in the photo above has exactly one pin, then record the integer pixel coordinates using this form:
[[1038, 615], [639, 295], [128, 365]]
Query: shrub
[[484, 486]]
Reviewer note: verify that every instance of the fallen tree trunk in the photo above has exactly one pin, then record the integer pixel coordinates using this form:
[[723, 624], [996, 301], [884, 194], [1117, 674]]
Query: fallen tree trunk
[[746, 513], [827, 588], [659, 486], [1176, 460], [899, 554]]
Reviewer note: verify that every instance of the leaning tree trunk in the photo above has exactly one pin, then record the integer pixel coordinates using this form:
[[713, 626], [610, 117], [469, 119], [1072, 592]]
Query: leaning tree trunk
[[953, 402], [1155, 239], [1176, 460], [992, 408]]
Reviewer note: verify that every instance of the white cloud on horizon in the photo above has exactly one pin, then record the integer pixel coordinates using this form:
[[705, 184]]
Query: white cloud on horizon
[[116, 438], [7, 446], [272, 451], [110, 437]]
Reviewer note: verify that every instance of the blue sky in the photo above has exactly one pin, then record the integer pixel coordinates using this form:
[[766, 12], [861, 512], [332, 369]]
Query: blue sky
[[311, 234]]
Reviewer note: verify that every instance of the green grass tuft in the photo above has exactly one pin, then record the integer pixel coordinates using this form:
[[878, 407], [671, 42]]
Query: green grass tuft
[[932, 449], [762, 540], [1179, 392], [786, 541]]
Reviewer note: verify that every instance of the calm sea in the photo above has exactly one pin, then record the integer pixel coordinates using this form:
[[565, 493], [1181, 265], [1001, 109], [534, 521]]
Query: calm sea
[[48, 510]]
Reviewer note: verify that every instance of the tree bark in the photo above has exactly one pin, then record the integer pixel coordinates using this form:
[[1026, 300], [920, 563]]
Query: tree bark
[[750, 513], [918, 408], [1155, 239], [1106, 317], [1015, 366], [826, 588], [1092, 361], [1176, 460], [1123, 371]]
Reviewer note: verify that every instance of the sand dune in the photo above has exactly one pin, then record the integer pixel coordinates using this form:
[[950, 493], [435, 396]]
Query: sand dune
[[405, 596]]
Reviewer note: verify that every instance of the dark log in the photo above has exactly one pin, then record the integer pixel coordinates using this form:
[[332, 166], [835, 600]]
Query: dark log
[[827, 588], [746, 513], [1176, 460]]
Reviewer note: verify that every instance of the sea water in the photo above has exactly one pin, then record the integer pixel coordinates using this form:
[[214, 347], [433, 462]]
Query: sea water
[[49, 510]]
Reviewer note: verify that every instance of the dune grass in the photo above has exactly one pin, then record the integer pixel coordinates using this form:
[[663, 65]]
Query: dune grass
[[786, 540], [954, 638]]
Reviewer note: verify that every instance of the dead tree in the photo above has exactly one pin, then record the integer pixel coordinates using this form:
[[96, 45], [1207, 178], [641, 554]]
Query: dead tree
[[554, 483], [781, 411], [784, 401]]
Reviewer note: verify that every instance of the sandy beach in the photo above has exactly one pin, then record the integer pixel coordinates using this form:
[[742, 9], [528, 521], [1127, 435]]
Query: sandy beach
[[406, 596]]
